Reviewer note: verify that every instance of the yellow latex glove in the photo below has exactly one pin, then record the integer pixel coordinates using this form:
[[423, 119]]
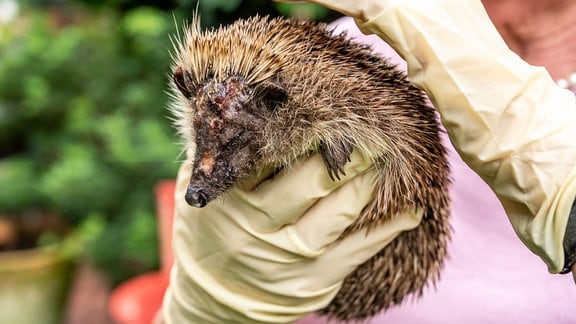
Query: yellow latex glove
[[268, 255], [508, 120]]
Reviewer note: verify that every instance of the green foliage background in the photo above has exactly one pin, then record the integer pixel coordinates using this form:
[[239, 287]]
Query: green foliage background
[[84, 130]]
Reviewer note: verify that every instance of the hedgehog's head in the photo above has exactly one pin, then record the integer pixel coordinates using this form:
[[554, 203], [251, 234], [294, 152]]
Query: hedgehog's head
[[229, 86], [226, 118]]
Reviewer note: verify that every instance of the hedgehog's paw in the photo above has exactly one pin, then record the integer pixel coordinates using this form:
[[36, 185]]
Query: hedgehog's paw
[[335, 156]]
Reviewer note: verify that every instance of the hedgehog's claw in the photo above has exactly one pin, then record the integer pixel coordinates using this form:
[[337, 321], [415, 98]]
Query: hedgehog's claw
[[335, 157]]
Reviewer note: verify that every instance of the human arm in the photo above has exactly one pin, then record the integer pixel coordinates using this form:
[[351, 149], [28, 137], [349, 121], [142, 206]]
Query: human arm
[[507, 119]]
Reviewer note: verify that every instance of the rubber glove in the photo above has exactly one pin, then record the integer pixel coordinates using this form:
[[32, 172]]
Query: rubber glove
[[508, 120], [271, 254]]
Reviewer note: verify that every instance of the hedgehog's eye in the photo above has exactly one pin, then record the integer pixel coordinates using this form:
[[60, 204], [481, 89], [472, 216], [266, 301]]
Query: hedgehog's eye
[[183, 82], [273, 94]]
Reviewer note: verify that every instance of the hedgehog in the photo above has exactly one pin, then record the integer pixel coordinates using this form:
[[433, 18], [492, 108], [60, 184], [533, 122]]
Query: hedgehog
[[265, 91]]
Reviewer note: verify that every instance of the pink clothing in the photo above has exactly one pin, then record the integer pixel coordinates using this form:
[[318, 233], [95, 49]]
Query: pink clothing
[[491, 277]]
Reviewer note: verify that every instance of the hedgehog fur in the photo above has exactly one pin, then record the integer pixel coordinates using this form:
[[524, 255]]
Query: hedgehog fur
[[267, 91]]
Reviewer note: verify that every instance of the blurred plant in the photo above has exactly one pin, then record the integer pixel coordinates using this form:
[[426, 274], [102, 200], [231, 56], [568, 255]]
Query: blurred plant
[[213, 12], [222, 12], [84, 130]]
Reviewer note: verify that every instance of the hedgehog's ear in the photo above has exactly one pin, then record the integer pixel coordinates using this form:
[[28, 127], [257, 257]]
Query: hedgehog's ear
[[273, 93], [182, 81]]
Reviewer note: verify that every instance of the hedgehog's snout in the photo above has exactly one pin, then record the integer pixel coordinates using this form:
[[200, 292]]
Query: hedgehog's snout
[[196, 196]]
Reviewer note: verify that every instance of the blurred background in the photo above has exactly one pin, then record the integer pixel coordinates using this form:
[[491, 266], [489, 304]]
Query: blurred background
[[85, 137]]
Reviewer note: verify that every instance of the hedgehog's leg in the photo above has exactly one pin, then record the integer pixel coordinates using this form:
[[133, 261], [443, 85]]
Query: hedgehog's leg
[[335, 157]]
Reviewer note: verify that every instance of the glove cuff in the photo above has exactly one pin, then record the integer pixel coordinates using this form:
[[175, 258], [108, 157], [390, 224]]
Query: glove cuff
[[570, 241]]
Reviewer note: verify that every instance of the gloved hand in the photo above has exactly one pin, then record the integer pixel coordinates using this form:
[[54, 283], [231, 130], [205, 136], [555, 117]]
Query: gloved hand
[[508, 120], [268, 254]]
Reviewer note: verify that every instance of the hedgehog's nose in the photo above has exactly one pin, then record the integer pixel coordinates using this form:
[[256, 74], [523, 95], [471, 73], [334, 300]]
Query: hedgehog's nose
[[195, 196]]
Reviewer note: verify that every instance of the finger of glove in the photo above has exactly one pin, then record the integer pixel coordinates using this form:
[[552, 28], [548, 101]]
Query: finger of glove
[[182, 180], [360, 246], [327, 219], [256, 178], [284, 199]]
